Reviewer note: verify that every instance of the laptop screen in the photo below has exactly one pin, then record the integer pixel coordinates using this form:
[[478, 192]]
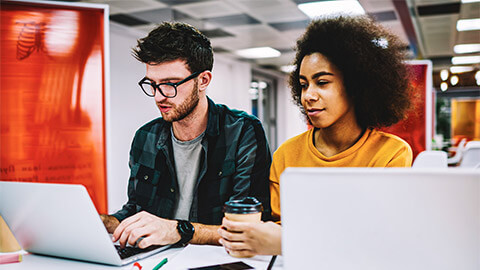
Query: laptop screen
[[380, 218]]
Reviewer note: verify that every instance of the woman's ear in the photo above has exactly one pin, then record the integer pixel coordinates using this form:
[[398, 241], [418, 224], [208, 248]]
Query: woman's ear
[[204, 80]]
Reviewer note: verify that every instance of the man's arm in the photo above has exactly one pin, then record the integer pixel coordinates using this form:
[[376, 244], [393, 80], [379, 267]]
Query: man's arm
[[153, 230], [205, 234]]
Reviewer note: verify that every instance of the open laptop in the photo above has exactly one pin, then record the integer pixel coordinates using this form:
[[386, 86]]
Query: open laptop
[[61, 220], [380, 218]]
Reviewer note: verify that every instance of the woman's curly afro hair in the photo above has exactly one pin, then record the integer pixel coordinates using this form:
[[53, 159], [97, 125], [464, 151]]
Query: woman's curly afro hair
[[371, 61]]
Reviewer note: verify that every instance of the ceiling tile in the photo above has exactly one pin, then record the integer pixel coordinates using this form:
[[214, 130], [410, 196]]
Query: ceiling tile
[[468, 37], [208, 9], [126, 6], [220, 50], [384, 16], [285, 26], [127, 20], [470, 10], [396, 28], [372, 6], [155, 15], [272, 10], [216, 33], [440, 9], [233, 20], [433, 2], [181, 2], [438, 34]]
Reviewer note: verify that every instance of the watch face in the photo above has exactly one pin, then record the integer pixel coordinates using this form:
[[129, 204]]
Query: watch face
[[186, 231]]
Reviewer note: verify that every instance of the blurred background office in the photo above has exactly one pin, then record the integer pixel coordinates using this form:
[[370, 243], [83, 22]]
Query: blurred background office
[[253, 43]]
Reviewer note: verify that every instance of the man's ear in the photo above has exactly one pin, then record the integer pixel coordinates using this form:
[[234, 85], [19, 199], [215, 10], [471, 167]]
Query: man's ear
[[204, 80]]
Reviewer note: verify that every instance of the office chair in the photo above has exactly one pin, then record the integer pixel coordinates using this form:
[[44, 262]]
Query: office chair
[[458, 153], [431, 159], [471, 155]]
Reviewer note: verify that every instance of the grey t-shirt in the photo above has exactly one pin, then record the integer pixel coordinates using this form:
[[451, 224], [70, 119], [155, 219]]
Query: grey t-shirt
[[187, 165]]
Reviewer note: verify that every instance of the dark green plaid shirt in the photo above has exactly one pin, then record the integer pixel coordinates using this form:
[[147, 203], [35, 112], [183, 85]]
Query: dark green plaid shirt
[[235, 163]]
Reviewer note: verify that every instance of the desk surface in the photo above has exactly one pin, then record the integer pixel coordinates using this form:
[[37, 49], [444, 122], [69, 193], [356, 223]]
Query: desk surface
[[178, 259]]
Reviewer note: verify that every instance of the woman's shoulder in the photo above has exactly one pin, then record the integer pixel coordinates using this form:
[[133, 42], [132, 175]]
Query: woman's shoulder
[[299, 140], [388, 138]]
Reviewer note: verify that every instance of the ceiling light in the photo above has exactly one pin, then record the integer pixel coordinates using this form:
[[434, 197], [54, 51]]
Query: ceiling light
[[460, 69], [465, 60], [331, 8], [467, 48], [443, 86], [454, 80], [444, 74], [288, 68], [468, 24], [260, 52], [469, 1]]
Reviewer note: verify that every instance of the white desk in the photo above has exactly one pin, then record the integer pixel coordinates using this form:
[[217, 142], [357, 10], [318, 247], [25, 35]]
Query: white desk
[[178, 259]]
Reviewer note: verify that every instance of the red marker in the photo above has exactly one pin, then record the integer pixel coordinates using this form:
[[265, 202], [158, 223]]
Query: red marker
[[136, 266]]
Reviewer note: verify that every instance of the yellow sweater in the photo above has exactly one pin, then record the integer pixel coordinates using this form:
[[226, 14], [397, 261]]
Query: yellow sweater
[[374, 149]]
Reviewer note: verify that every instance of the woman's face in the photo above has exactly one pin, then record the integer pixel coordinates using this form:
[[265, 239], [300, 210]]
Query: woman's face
[[323, 94]]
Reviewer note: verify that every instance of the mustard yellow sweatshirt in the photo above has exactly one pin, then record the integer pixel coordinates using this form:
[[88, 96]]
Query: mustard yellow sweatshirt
[[374, 149]]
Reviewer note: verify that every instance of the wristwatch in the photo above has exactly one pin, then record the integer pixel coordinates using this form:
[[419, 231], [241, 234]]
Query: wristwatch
[[186, 231]]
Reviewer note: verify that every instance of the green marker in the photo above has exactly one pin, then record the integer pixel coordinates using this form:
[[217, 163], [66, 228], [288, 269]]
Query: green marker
[[160, 264]]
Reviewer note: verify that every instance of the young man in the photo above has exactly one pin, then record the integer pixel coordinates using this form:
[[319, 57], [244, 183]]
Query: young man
[[198, 155]]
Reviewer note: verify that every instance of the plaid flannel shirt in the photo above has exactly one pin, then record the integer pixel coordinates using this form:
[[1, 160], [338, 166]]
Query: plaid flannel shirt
[[235, 163]]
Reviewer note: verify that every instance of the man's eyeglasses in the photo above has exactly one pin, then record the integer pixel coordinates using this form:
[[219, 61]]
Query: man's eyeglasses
[[168, 90]]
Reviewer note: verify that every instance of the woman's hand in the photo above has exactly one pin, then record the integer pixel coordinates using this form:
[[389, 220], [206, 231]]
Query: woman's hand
[[247, 239]]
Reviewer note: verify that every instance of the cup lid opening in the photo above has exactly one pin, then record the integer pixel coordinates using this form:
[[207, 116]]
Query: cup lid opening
[[247, 205]]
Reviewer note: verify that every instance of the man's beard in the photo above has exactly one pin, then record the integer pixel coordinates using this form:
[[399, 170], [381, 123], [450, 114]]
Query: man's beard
[[183, 110]]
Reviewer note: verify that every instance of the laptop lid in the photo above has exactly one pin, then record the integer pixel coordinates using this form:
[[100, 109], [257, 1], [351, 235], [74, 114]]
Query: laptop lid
[[380, 218], [58, 220]]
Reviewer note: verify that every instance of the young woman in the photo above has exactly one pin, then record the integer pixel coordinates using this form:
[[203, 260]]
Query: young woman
[[349, 79]]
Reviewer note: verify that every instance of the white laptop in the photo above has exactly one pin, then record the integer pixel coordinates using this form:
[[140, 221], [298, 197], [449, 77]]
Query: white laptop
[[380, 218], [59, 220]]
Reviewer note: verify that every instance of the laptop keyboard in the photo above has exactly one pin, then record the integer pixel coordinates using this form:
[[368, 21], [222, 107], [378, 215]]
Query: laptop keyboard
[[130, 251]]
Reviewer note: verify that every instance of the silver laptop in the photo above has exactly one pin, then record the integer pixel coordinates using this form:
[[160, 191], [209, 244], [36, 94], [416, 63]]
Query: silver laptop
[[380, 218], [60, 220]]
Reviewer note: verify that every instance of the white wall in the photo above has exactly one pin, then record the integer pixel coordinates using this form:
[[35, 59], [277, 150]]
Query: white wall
[[129, 108], [230, 83]]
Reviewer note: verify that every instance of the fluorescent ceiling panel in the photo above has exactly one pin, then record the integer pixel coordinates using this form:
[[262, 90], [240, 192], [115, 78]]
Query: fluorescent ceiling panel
[[466, 48], [332, 8], [468, 24], [259, 52], [460, 69], [465, 60], [288, 68]]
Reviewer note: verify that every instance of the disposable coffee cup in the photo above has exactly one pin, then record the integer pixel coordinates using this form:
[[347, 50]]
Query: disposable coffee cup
[[248, 209]]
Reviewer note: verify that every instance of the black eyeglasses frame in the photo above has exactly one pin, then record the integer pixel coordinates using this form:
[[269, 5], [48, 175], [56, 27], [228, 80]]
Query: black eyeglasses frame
[[155, 86]]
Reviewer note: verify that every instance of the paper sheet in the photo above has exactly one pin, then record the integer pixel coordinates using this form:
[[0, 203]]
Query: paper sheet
[[203, 255]]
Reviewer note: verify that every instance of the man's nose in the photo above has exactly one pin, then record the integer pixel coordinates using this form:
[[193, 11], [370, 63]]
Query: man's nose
[[158, 96]]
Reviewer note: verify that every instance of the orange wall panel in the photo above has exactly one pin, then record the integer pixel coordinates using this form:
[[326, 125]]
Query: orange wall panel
[[52, 96]]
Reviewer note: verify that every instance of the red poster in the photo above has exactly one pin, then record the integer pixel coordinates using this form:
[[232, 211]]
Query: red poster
[[52, 96], [416, 129]]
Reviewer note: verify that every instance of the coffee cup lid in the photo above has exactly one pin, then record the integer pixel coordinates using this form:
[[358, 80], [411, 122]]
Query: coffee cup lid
[[246, 205]]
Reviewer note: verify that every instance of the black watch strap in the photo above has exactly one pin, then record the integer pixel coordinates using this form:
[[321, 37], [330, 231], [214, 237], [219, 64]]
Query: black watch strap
[[186, 231]]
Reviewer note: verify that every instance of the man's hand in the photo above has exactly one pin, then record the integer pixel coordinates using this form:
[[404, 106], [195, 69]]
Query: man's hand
[[248, 239], [148, 228], [110, 222]]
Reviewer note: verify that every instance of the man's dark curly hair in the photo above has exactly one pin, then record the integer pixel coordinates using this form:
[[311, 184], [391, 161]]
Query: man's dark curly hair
[[176, 41], [371, 61]]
